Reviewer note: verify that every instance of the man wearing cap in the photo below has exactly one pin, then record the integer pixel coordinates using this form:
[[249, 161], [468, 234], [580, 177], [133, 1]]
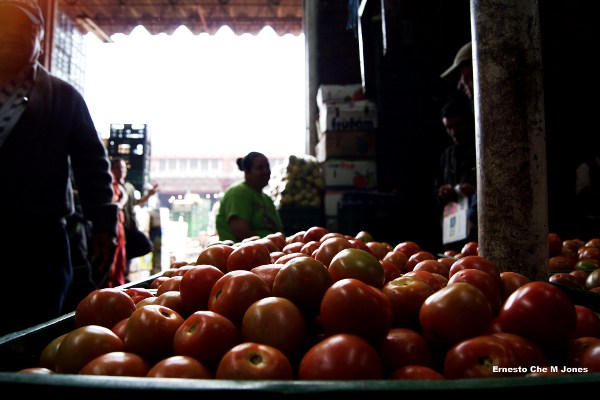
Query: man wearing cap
[[461, 70], [46, 134]]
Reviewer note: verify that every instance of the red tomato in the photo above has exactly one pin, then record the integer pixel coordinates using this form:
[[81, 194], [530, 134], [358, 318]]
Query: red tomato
[[215, 255], [296, 276], [379, 249], [296, 237], [138, 294], [580, 275], [555, 243], [577, 347], [172, 299], [330, 247], [527, 353], [196, 285], [119, 328], [182, 270], [409, 248], [593, 279], [391, 271], [483, 356], [314, 233], [156, 282], [454, 313], [511, 281], [83, 344], [150, 331], [341, 357], [470, 249], [560, 263], [357, 264], [565, 278], [104, 307], [590, 358], [407, 294], [539, 311], [588, 323], [278, 238], [332, 235], [293, 247], [277, 322], [276, 255], [288, 256], [404, 346], [589, 253], [268, 243], [247, 256], [171, 284], [397, 258], [352, 306], [416, 258], [267, 272], [234, 292], [254, 361], [180, 367], [416, 372], [359, 244], [309, 247], [205, 336], [435, 283], [433, 266], [48, 355], [476, 262], [485, 282], [117, 363]]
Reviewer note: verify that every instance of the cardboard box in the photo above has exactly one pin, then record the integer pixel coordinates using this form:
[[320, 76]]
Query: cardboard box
[[350, 174], [346, 144], [328, 94], [350, 116]]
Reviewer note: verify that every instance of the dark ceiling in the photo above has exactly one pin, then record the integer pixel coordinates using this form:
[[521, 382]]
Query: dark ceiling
[[164, 16]]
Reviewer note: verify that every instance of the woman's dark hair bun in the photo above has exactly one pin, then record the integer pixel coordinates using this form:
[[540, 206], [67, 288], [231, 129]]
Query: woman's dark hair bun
[[240, 163]]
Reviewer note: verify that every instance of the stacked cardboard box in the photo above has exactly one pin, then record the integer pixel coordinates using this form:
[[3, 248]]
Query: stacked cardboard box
[[346, 147]]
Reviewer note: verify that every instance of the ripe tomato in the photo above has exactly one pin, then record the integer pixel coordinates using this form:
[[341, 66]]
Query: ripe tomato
[[481, 357], [180, 367], [511, 281], [590, 358], [342, 356], [119, 328], [138, 293], [527, 353], [397, 258], [288, 256], [357, 264], [156, 282], [294, 247], [330, 247], [593, 279], [476, 262], [409, 248], [254, 361], [352, 306], [407, 294], [539, 311], [577, 347], [314, 233], [196, 285], [589, 253], [234, 292], [247, 256], [267, 272], [172, 299], [416, 258], [205, 336], [470, 249], [278, 238], [433, 281], [588, 323], [215, 255], [277, 322], [555, 244], [116, 363], [391, 271], [104, 307], [48, 355], [404, 346], [379, 249], [83, 344], [150, 330], [565, 278], [359, 244], [303, 280], [309, 247], [416, 372], [485, 282], [454, 313], [560, 263], [276, 255], [171, 284], [433, 266]]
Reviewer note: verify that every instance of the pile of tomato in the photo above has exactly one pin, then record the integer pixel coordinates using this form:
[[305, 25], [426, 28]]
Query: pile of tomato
[[322, 305]]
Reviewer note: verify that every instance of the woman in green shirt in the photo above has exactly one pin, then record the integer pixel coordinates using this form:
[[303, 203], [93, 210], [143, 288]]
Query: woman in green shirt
[[245, 210]]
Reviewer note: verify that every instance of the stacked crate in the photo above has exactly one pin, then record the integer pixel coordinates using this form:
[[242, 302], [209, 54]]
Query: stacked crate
[[346, 146]]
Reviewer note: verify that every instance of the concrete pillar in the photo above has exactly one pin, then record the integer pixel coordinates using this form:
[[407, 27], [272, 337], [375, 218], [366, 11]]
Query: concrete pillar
[[511, 144], [311, 35]]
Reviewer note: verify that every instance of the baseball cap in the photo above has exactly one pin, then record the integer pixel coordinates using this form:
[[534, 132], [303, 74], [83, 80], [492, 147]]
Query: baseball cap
[[464, 54], [30, 7]]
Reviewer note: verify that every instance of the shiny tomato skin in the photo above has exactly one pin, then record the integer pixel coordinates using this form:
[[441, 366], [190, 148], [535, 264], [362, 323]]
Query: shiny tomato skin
[[341, 356], [407, 294], [293, 247], [433, 266], [278, 238], [402, 347], [277, 322], [379, 249], [84, 344], [476, 262], [234, 292], [288, 256], [196, 285], [588, 322], [330, 247], [357, 264], [485, 282], [117, 363], [138, 294], [180, 367], [310, 247], [527, 353], [205, 336], [397, 258], [590, 358], [150, 331], [296, 276], [104, 307], [477, 356], [119, 328], [172, 299], [577, 347], [48, 355], [267, 272], [215, 255], [541, 312], [254, 361], [314, 233], [247, 256], [435, 283], [391, 271], [408, 247], [454, 313], [416, 372], [171, 284], [352, 306], [511, 281], [417, 257]]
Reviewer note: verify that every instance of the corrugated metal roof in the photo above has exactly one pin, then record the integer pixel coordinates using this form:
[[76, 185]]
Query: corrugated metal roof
[[109, 17]]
